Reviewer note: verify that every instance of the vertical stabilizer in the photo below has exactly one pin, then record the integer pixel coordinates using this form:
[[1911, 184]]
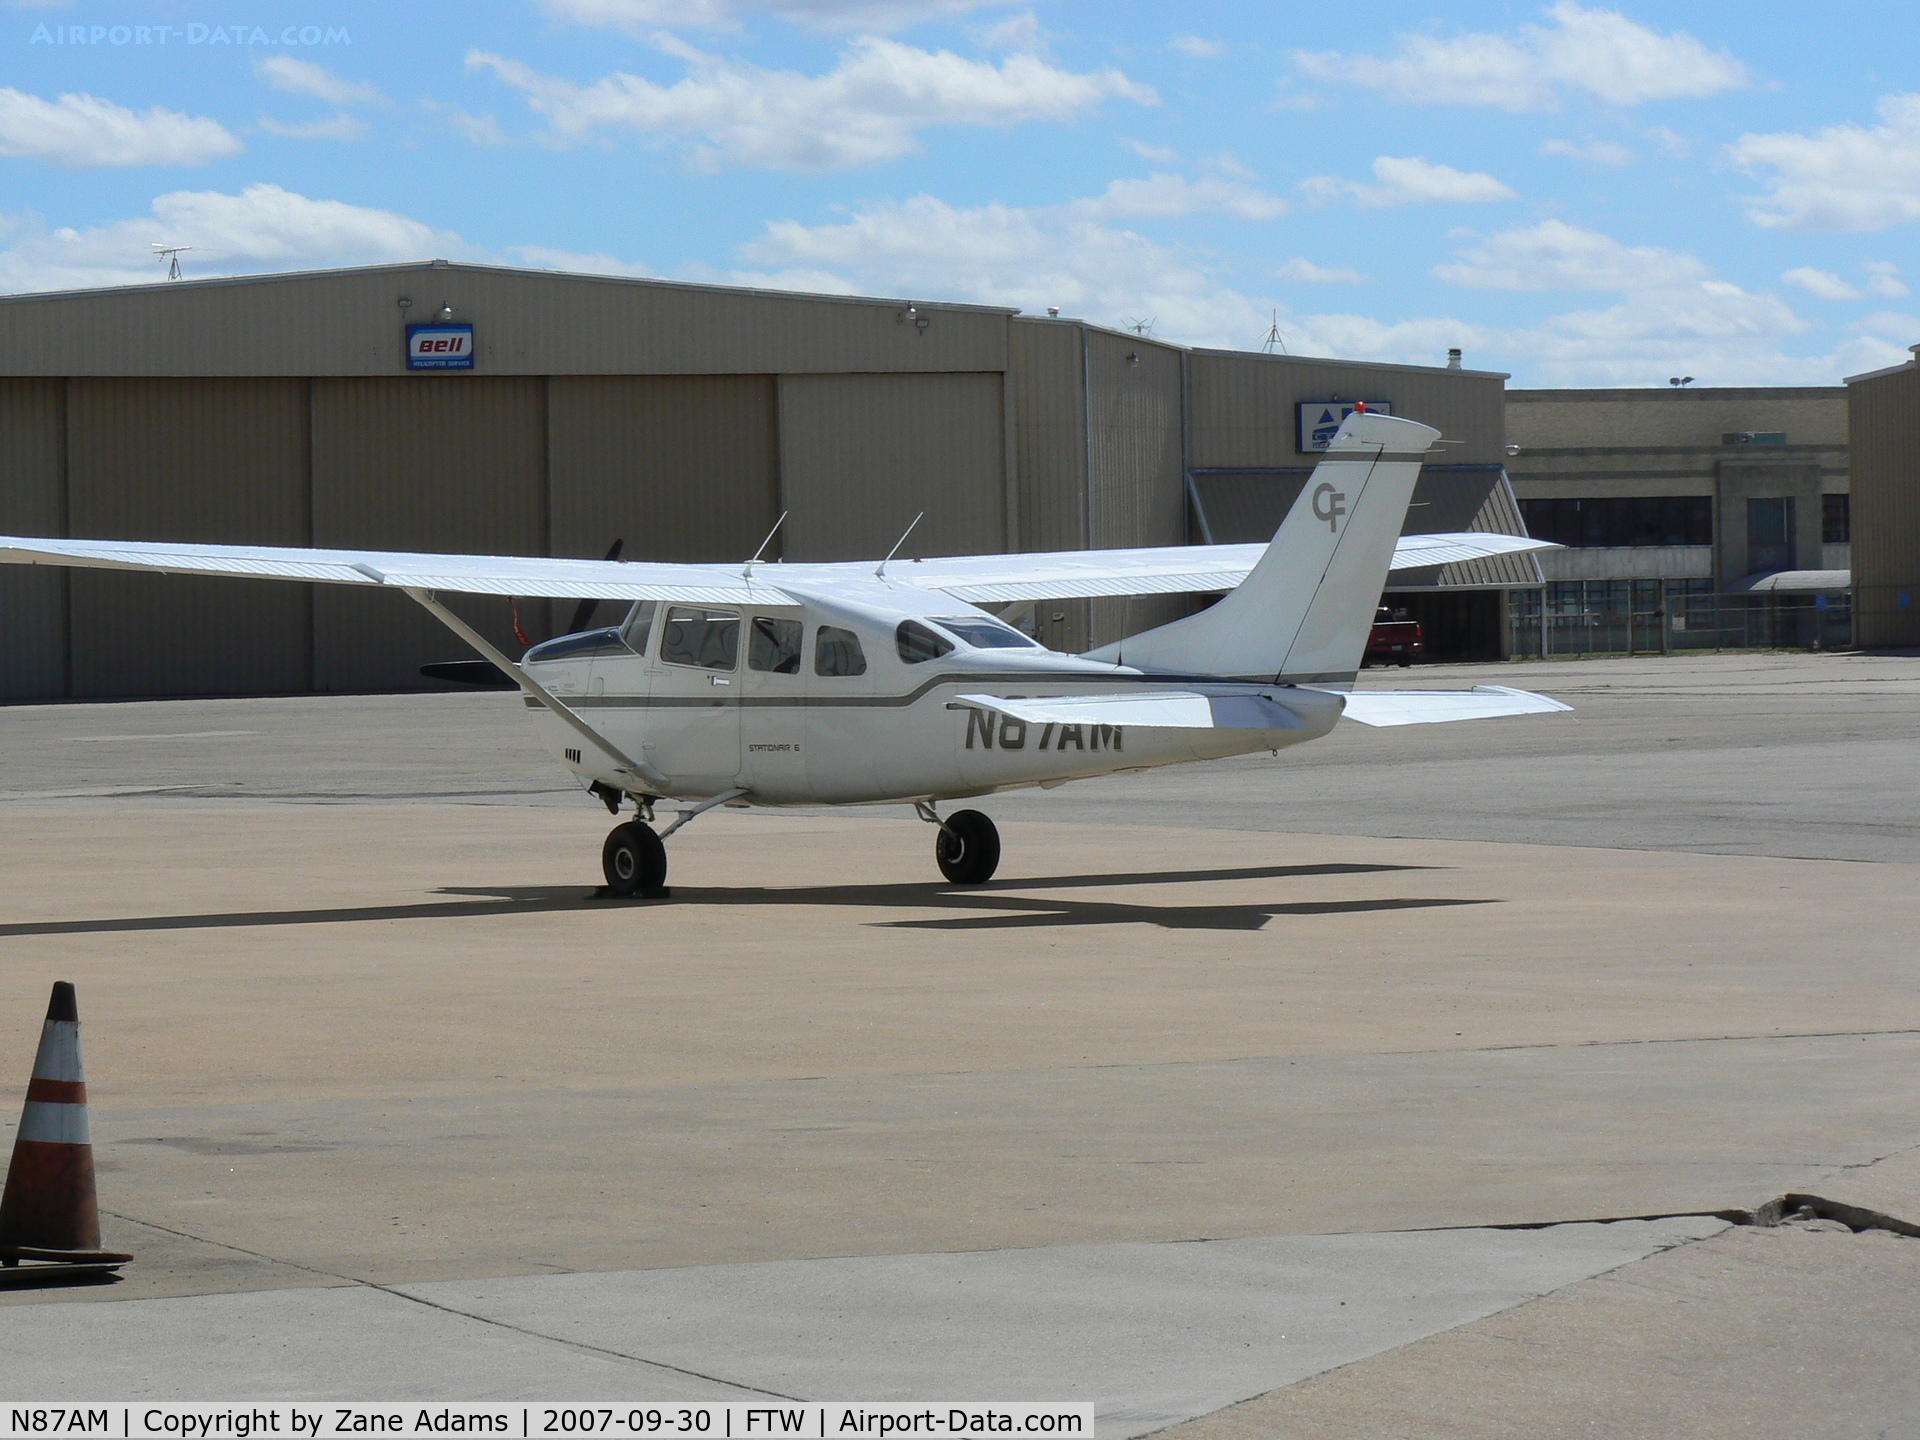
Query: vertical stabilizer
[[1304, 610]]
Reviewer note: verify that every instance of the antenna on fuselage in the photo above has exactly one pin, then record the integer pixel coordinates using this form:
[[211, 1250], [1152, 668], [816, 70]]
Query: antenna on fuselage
[[880, 570], [746, 570]]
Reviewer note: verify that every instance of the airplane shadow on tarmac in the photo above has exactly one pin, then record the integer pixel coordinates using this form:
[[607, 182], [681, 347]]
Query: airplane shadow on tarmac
[[993, 906]]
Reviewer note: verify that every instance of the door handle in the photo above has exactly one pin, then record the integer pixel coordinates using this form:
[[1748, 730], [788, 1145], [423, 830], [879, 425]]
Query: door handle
[[718, 680]]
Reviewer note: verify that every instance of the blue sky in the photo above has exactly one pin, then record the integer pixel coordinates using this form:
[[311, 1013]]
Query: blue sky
[[1578, 194]]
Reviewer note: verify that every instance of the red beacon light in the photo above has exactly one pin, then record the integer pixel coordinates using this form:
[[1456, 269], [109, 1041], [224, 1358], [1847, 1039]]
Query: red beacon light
[[1359, 407]]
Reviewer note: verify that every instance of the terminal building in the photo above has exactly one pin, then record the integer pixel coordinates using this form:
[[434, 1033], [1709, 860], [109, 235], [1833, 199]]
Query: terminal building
[[1692, 518], [484, 410]]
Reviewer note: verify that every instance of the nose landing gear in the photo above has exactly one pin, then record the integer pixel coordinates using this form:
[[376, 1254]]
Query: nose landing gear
[[967, 849]]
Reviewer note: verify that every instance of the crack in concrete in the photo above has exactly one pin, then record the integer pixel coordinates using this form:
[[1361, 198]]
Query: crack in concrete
[[399, 1294]]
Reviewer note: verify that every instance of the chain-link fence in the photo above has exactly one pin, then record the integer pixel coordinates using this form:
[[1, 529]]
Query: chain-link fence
[[1658, 617]]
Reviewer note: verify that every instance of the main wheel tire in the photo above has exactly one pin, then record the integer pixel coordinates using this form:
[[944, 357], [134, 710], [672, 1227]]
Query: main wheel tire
[[633, 860], [967, 848]]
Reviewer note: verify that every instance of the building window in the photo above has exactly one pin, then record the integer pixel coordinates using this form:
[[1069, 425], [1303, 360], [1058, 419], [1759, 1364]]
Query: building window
[[1836, 519], [1621, 520]]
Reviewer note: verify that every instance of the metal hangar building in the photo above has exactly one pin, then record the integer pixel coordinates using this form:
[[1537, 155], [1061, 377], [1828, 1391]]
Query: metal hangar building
[[466, 408]]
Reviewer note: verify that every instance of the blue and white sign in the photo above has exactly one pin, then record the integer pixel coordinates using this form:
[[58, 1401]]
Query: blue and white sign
[[439, 347], [1319, 419]]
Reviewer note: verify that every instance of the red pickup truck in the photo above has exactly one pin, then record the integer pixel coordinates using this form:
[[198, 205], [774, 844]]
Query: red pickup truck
[[1394, 639]]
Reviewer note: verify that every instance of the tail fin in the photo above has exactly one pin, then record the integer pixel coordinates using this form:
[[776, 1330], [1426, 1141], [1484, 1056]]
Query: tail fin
[[1304, 611]]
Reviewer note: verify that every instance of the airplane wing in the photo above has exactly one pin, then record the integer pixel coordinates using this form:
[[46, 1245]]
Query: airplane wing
[[1164, 709], [1429, 707], [521, 575], [1162, 570]]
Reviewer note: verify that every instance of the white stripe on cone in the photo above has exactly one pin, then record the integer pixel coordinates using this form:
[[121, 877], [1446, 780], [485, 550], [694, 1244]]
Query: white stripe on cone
[[59, 1054], [53, 1122]]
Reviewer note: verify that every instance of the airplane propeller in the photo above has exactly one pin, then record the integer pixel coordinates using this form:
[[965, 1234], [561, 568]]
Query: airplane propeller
[[485, 673]]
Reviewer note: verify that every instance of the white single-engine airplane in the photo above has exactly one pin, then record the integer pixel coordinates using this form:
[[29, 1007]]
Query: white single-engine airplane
[[854, 683]]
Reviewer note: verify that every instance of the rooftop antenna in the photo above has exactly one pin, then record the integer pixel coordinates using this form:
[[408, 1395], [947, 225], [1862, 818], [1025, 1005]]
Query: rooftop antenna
[[880, 570], [171, 254], [1274, 337], [1142, 327], [746, 571]]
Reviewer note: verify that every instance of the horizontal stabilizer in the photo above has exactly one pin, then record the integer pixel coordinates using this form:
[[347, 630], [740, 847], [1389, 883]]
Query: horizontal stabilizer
[[1430, 707], [1163, 709]]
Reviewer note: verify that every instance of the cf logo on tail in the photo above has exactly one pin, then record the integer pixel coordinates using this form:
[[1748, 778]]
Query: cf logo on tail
[[1329, 505]]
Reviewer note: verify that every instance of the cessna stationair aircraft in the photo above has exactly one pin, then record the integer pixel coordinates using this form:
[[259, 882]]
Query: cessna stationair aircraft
[[860, 682]]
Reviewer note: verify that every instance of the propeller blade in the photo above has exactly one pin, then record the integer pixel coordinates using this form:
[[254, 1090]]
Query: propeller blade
[[583, 613]]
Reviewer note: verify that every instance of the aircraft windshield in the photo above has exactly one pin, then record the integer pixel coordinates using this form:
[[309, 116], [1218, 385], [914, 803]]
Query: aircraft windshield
[[577, 647], [984, 634]]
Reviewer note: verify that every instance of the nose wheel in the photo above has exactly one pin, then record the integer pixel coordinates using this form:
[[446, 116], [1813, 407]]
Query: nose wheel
[[634, 861], [967, 848]]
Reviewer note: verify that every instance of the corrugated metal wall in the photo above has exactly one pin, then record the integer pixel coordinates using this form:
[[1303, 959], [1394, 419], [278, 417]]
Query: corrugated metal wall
[[33, 603], [1242, 407], [680, 467], [860, 455], [219, 461], [1050, 433], [1884, 433], [526, 322], [434, 462], [1136, 487]]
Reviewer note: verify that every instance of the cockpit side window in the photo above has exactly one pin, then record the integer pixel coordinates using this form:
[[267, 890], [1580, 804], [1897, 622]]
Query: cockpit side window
[[773, 645], [639, 625], [917, 644], [837, 652], [703, 638]]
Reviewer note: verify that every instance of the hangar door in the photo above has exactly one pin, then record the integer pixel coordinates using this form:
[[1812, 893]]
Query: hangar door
[[861, 455]]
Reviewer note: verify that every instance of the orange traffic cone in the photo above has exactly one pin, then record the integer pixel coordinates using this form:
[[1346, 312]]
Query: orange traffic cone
[[48, 1210]]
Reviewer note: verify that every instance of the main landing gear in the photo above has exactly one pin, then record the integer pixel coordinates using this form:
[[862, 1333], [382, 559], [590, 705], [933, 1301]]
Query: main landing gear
[[634, 861], [967, 849]]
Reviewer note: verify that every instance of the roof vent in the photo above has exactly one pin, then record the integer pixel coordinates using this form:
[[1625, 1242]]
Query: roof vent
[[1453, 358]]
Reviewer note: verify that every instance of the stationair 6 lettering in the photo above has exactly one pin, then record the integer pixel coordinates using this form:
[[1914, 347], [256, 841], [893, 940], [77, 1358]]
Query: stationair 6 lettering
[[1013, 734]]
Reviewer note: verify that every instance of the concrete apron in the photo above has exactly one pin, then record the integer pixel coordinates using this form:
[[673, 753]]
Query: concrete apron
[[1153, 1333]]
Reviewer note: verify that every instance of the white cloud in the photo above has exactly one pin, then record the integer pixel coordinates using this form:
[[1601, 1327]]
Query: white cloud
[[479, 129], [1057, 255], [86, 130], [1889, 325], [1003, 255], [1158, 154], [1554, 255], [1164, 194], [1672, 141], [340, 127], [641, 17], [1198, 48], [1017, 32], [1309, 273], [1599, 52], [262, 228], [576, 262], [303, 77], [1410, 180], [1883, 278], [867, 109], [1602, 153], [1846, 177], [1822, 284]]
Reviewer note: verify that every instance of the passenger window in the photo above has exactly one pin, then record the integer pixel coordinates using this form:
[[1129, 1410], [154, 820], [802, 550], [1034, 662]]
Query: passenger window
[[837, 652], [916, 643], [774, 645], [707, 639], [639, 625]]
